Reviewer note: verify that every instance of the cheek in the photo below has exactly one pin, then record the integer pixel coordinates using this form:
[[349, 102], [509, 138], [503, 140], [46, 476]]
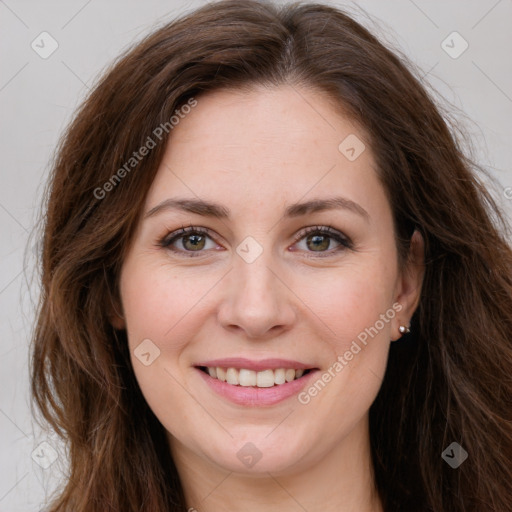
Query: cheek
[[356, 305], [158, 300], [153, 304], [157, 305], [351, 301], [164, 309]]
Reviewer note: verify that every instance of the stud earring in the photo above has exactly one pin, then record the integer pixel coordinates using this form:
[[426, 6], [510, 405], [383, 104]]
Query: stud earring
[[404, 329]]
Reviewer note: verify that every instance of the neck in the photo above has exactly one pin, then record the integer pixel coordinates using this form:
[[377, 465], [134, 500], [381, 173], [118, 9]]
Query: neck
[[338, 481]]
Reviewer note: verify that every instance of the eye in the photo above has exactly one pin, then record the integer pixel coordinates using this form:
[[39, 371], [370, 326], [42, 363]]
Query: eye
[[191, 239], [194, 239], [318, 239]]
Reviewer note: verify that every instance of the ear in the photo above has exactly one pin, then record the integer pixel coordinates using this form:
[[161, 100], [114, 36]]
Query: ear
[[115, 314], [409, 284]]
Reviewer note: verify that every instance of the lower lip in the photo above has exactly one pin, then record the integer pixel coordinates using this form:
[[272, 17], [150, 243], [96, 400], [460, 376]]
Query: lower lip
[[253, 396]]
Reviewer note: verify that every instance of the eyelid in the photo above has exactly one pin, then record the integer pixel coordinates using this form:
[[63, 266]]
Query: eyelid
[[170, 238], [344, 241], [324, 229]]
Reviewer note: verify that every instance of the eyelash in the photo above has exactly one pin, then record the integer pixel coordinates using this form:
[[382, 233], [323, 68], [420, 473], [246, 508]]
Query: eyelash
[[345, 242]]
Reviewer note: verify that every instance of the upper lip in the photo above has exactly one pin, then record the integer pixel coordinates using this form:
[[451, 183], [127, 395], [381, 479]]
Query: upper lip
[[249, 364]]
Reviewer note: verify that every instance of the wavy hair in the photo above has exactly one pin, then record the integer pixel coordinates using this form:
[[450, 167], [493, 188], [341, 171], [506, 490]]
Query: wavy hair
[[449, 380]]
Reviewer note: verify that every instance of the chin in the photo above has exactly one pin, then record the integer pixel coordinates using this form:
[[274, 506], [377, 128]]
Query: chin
[[259, 457]]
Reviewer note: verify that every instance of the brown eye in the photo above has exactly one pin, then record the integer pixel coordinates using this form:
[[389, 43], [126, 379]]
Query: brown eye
[[319, 239], [193, 242], [318, 242], [188, 240]]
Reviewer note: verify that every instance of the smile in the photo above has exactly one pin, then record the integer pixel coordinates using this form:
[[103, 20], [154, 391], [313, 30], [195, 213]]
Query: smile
[[252, 383], [260, 379]]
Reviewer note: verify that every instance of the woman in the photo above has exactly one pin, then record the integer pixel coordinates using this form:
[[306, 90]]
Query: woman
[[246, 212]]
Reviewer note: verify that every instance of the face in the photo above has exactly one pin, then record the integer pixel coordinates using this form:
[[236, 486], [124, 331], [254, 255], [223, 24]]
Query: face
[[294, 305]]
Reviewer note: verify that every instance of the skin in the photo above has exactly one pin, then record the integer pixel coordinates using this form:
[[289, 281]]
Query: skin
[[255, 153]]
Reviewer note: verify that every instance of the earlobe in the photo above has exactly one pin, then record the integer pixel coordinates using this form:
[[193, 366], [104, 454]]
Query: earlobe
[[117, 322], [115, 318]]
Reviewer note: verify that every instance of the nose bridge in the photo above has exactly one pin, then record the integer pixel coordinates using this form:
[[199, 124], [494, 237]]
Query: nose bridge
[[258, 300], [257, 278]]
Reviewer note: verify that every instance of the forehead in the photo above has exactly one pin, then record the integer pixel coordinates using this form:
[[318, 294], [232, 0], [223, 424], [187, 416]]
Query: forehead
[[277, 121], [263, 146]]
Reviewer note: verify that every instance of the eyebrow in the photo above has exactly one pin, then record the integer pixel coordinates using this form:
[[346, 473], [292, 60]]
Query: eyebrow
[[214, 210]]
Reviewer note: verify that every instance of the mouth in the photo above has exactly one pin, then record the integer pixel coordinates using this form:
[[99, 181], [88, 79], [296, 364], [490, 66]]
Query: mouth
[[250, 383], [244, 377]]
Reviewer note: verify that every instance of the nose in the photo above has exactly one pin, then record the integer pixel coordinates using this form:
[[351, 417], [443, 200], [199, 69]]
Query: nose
[[257, 299]]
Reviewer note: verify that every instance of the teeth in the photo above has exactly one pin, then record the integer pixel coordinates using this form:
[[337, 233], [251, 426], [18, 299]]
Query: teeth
[[247, 378], [263, 379], [279, 376], [232, 377], [289, 375], [221, 373]]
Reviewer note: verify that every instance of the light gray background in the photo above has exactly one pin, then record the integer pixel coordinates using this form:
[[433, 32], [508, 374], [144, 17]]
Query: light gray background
[[38, 97]]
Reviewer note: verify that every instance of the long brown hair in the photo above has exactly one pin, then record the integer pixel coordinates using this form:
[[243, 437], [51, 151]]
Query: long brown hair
[[448, 381]]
